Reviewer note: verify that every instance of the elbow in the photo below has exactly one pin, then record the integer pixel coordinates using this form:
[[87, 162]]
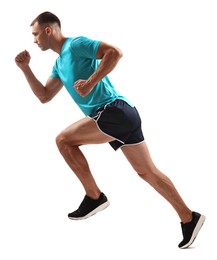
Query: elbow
[[118, 53], [45, 97], [44, 100], [115, 54]]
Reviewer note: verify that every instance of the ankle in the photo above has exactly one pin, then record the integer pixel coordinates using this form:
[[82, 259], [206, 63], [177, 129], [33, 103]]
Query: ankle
[[187, 218], [93, 195]]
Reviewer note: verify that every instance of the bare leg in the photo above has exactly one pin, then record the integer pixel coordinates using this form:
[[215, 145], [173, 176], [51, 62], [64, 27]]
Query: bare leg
[[85, 131], [68, 141], [140, 159]]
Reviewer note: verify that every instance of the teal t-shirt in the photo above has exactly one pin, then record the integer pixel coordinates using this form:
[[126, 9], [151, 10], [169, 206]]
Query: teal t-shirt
[[77, 60]]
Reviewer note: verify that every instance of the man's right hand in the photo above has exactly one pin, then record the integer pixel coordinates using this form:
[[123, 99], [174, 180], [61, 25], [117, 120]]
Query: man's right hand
[[22, 59]]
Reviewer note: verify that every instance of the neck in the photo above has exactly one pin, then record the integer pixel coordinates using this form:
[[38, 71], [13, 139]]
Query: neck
[[59, 41]]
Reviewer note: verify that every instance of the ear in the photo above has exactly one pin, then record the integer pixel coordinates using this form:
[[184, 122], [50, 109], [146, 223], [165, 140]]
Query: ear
[[48, 30]]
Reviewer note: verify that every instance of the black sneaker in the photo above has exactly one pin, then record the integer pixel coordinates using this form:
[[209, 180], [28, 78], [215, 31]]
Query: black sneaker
[[191, 229], [89, 207]]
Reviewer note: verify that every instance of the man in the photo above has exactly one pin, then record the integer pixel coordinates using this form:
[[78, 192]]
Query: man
[[82, 67]]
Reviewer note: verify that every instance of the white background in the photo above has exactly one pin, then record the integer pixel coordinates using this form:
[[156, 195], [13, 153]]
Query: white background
[[169, 71]]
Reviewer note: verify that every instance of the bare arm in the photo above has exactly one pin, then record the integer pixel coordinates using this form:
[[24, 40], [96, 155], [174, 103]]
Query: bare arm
[[110, 56], [43, 93]]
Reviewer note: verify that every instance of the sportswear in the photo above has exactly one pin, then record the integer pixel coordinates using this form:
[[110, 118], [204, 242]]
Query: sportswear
[[89, 207], [120, 121], [77, 60], [191, 229]]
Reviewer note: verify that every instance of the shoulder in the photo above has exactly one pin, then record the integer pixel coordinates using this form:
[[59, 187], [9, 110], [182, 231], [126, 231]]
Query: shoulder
[[82, 40], [84, 46]]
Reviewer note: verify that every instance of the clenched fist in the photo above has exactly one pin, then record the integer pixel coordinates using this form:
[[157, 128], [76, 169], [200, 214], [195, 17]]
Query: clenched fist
[[22, 59]]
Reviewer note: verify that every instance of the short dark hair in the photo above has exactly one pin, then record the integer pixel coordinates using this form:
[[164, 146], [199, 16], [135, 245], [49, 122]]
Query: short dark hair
[[46, 17]]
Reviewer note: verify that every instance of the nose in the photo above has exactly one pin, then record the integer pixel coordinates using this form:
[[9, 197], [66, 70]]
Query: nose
[[35, 40]]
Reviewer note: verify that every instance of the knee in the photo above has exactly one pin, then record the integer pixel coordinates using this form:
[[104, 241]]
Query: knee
[[61, 140], [147, 174], [143, 174], [141, 171]]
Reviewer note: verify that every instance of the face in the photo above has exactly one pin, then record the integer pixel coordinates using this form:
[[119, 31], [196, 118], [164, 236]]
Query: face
[[41, 35]]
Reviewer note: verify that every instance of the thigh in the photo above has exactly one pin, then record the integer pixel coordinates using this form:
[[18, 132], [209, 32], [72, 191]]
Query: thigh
[[139, 157], [84, 131]]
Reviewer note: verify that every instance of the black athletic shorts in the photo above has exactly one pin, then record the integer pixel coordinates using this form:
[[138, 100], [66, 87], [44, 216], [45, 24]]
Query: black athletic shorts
[[121, 121]]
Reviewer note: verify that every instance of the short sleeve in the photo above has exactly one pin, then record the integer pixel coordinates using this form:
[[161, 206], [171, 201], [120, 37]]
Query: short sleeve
[[54, 73], [85, 47]]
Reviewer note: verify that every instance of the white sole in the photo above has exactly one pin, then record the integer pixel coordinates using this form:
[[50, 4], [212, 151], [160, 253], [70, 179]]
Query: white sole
[[196, 230], [100, 208]]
